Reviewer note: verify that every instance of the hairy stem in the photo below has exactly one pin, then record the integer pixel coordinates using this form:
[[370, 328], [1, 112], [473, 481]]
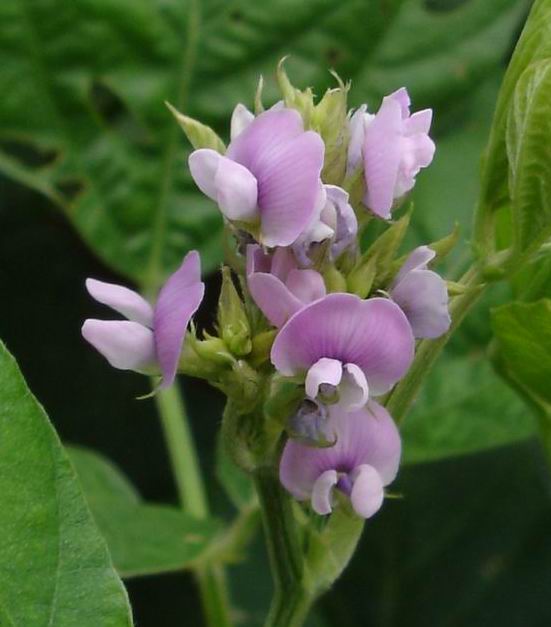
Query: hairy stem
[[291, 601], [402, 397], [187, 474]]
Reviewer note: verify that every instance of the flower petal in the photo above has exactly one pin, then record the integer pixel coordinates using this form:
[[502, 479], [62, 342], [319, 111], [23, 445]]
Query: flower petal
[[240, 119], [203, 164], [382, 156], [353, 390], [423, 297], [273, 298], [178, 300], [419, 122], [306, 285], [127, 345], [356, 126], [321, 492], [367, 436], [236, 191], [226, 182], [367, 491], [418, 259], [325, 370], [127, 302], [289, 189], [373, 334]]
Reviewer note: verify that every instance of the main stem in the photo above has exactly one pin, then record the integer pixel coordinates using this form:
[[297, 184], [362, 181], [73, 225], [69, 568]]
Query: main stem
[[291, 601], [191, 491]]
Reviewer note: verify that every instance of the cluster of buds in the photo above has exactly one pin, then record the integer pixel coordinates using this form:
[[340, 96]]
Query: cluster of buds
[[312, 332]]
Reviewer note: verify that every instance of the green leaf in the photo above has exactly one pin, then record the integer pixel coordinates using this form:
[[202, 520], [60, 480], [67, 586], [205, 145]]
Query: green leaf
[[464, 407], [143, 538], [533, 46], [529, 151], [55, 566], [84, 85], [523, 332]]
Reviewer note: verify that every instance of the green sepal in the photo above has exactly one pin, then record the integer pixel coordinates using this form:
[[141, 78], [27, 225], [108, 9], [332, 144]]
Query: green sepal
[[261, 347], [329, 119], [331, 548], [283, 398], [199, 135], [334, 279], [360, 280], [302, 101], [233, 323], [258, 105]]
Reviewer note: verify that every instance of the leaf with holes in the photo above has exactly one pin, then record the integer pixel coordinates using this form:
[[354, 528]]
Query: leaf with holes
[[82, 115], [143, 539], [55, 568]]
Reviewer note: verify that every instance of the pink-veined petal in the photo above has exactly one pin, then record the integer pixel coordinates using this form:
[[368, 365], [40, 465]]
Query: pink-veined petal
[[272, 297], [306, 285], [374, 334], [127, 302], [178, 300]]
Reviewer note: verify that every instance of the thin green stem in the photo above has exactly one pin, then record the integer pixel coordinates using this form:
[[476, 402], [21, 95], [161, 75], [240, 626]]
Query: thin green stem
[[183, 457], [291, 601], [187, 474], [402, 397]]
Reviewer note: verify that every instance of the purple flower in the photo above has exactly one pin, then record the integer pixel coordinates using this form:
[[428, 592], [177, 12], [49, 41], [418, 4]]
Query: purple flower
[[422, 295], [395, 146], [269, 178], [346, 347], [336, 222], [364, 459], [151, 338], [277, 286]]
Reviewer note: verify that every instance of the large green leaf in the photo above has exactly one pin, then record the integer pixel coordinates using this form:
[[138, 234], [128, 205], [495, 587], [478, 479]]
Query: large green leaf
[[523, 332], [55, 568], [143, 538], [82, 117], [533, 46], [464, 407]]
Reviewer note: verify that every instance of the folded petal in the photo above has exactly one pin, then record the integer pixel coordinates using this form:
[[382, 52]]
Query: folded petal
[[367, 491], [263, 136], [423, 297], [382, 156], [374, 334], [240, 119], [178, 300], [127, 302], [127, 345], [273, 298], [323, 372], [203, 165], [236, 191], [289, 188], [353, 390], [356, 126], [306, 285], [321, 492], [418, 259]]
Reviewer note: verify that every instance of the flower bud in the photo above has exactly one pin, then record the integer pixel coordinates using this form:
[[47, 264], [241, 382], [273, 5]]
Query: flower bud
[[232, 318]]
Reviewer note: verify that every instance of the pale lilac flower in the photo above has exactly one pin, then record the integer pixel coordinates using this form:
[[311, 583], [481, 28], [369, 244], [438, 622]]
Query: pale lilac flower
[[277, 286], [422, 295], [364, 459], [269, 178], [345, 347], [336, 222], [151, 338], [395, 145]]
